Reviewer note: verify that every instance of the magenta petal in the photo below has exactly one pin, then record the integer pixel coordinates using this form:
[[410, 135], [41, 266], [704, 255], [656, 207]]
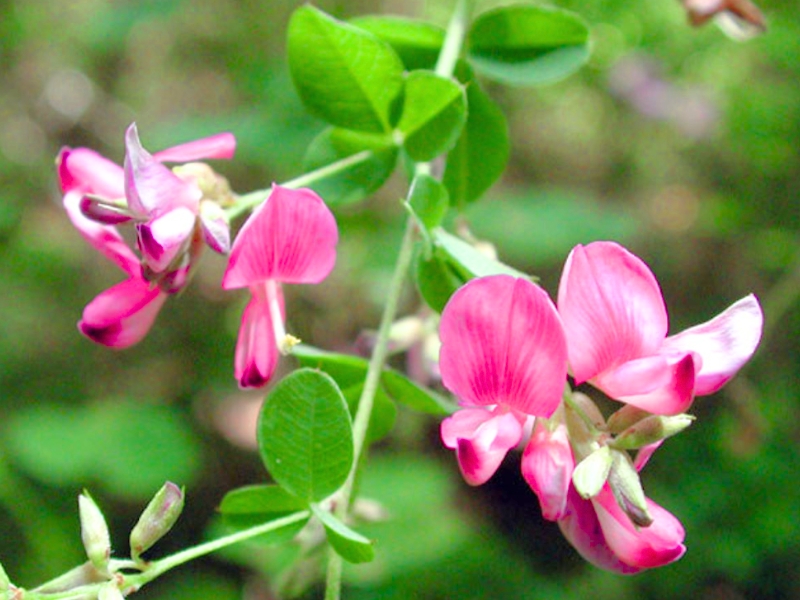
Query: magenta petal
[[104, 238], [581, 527], [725, 343], [150, 187], [221, 145], [163, 238], [547, 466], [122, 315], [502, 343], [645, 453], [646, 547], [673, 397], [611, 307], [256, 349], [290, 238], [481, 439], [89, 172]]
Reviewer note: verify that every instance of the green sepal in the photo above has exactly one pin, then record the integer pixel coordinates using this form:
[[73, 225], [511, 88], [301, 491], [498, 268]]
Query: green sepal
[[349, 544]]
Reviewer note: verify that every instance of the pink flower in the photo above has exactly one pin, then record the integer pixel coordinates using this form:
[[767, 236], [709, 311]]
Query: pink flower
[[602, 533], [290, 238], [616, 323], [547, 466], [98, 194], [503, 355]]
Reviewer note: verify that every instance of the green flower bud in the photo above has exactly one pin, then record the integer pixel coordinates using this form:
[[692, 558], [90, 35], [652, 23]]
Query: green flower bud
[[625, 417], [94, 533], [585, 424], [650, 430], [592, 472], [627, 488], [157, 519]]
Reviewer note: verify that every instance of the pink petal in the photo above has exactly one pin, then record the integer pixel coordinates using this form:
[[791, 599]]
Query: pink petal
[[89, 172], [611, 307], [122, 315], [581, 527], [725, 343], [668, 391], [163, 238], [256, 349], [104, 238], [151, 188], [645, 453], [547, 466], [481, 439], [221, 145], [502, 343], [646, 547], [290, 238]]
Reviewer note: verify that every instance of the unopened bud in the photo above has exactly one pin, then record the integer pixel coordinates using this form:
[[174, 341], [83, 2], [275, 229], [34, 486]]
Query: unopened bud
[[584, 422], [157, 519], [627, 489], [625, 417], [650, 430], [592, 472], [212, 185], [215, 225], [94, 533]]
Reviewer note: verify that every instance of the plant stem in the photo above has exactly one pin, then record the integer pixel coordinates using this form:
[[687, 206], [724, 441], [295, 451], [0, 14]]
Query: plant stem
[[252, 199], [445, 65]]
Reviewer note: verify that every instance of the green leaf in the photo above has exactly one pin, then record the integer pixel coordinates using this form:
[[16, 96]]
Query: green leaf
[[359, 180], [528, 45], [349, 544], [469, 260], [260, 499], [481, 153], [437, 280], [413, 395], [343, 74], [434, 113], [305, 436], [416, 42], [384, 411], [428, 199], [350, 371]]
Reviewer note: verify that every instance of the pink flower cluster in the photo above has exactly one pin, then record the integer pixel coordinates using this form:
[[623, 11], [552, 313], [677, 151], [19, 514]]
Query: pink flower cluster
[[290, 238], [506, 351]]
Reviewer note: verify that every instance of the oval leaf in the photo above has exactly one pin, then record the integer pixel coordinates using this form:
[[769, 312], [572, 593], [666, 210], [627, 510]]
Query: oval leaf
[[417, 43], [305, 435], [437, 280], [528, 45], [434, 113], [343, 74], [349, 544], [428, 200], [356, 182], [260, 499], [481, 153]]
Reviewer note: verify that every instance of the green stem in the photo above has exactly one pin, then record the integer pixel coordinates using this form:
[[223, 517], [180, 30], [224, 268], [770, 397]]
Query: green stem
[[445, 66], [250, 200]]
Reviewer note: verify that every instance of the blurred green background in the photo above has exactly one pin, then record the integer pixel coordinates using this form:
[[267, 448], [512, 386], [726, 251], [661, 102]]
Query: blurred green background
[[680, 143]]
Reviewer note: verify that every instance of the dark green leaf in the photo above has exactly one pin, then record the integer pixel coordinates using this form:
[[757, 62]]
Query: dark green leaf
[[416, 42], [413, 395], [384, 411], [349, 544], [343, 74], [437, 280], [480, 156], [434, 113], [262, 499], [528, 45], [359, 180], [470, 261], [346, 370], [429, 201], [305, 435]]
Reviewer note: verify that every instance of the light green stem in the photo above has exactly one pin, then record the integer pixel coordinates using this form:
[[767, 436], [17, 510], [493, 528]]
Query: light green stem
[[250, 200], [445, 65]]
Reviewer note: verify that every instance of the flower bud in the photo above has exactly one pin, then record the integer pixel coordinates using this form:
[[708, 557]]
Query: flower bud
[[157, 519], [592, 472], [94, 533], [627, 489], [650, 430], [584, 422], [547, 466], [215, 225], [625, 417]]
